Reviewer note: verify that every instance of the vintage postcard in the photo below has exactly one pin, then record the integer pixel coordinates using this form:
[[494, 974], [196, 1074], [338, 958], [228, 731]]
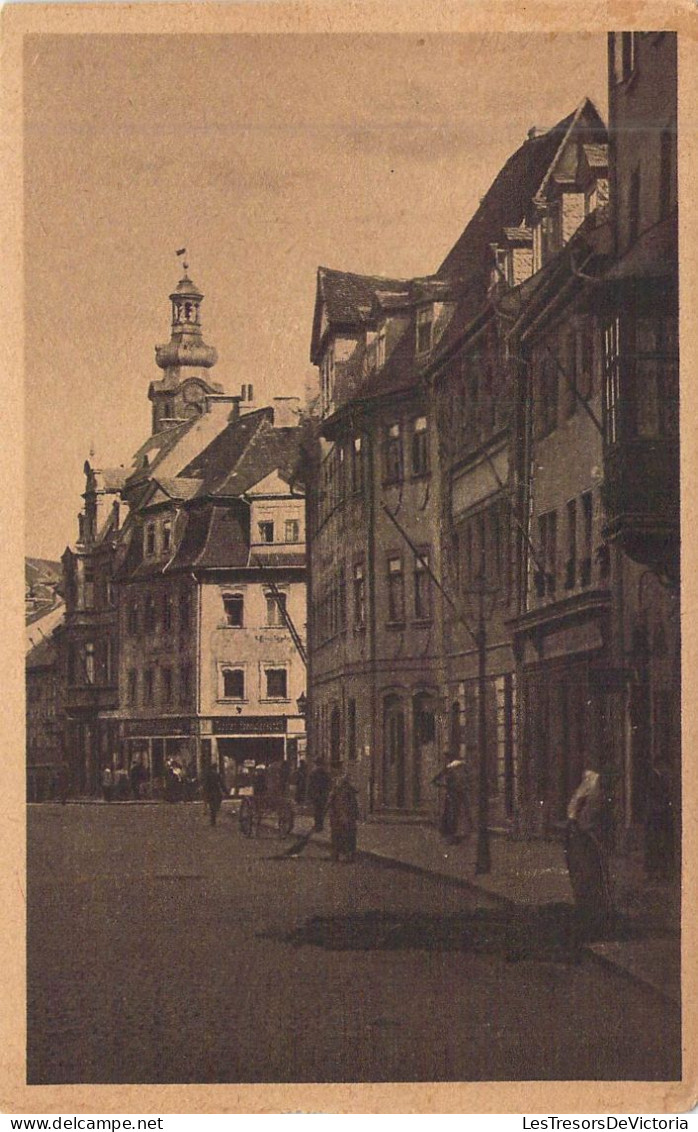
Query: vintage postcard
[[348, 764]]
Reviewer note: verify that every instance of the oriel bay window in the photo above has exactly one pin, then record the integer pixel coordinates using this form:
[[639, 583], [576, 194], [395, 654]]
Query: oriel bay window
[[641, 394], [396, 589]]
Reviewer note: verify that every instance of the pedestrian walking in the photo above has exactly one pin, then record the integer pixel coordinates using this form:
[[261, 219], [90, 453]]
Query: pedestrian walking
[[301, 781], [588, 856], [343, 810], [318, 793], [107, 783], [136, 775], [453, 779], [214, 790]]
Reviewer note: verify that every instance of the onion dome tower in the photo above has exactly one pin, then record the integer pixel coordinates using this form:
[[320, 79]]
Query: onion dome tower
[[181, 392]]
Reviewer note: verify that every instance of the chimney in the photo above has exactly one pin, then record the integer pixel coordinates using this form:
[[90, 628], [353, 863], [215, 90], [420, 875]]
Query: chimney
[[287, 411], [536, 132], [224, 399], [246, 399]]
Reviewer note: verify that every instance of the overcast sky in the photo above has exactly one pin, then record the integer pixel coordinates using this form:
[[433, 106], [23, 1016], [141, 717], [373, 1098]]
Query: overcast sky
[[265, 156]]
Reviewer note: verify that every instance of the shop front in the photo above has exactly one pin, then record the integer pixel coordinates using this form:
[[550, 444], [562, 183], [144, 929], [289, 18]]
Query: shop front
[[243, 742]]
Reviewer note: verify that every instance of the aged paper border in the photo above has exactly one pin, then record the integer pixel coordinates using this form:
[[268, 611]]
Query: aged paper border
[[311, 16]]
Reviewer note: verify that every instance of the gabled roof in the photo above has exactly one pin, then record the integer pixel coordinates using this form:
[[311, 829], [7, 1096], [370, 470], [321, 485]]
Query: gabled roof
[[347, 299], [212, 528], [508, 198]]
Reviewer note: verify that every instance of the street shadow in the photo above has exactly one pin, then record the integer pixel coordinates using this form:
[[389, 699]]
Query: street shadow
[[551, 933]]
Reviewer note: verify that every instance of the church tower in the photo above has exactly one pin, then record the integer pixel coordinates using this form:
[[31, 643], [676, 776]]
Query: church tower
[[180, 394]]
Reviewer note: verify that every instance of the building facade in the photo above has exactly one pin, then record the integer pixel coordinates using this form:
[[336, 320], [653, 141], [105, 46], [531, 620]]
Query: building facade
[[641, 421], [376, 654], [184, 635], [539, 366]]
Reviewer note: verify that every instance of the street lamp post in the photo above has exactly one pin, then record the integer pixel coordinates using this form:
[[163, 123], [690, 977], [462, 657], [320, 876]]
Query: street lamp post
[[483, 860]]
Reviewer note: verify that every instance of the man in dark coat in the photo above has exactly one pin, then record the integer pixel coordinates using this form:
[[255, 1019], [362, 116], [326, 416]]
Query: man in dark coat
[[343, 809], [319, 792], [214, 790]]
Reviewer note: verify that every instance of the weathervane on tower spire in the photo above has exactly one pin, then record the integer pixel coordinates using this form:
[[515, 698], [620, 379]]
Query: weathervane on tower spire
[[183, 252]]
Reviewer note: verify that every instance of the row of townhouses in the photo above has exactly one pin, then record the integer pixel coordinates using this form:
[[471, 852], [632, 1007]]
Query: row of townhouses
[[493, 505], [483, 509]]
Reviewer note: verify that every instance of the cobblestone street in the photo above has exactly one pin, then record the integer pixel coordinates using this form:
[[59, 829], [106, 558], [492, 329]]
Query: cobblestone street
[[163, 950]]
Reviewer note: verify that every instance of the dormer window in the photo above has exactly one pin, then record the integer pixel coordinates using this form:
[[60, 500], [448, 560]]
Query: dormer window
[[425, 318]]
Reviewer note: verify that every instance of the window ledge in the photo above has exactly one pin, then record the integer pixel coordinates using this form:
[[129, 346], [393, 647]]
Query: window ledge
[[274, 700], [421, 622], [231, 700], [395, 624]]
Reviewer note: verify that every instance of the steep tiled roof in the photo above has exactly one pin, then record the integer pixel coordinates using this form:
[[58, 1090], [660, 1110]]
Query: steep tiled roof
[[596, 155], [213, 537], [178, 487], [509, 196], [349, 297], [270, 449], [214, 463]]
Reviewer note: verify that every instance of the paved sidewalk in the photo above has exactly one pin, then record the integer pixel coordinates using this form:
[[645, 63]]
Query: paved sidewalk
[[531, 873]]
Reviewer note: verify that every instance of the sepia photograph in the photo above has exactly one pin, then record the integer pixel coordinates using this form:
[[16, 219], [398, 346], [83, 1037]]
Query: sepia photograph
[[352, 557]]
